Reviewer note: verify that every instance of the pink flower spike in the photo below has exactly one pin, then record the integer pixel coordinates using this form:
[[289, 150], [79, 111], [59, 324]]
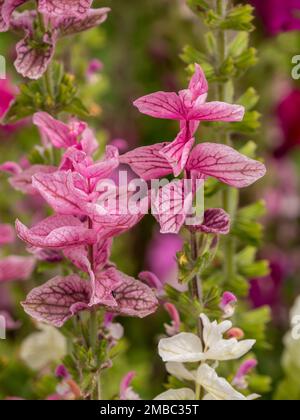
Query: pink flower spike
[[58, 300], [228, 304], [225, 164], [174, 328], [7, 234], [148, 162], [58, 232], [240, 379], [15, 268], [216, 221], [126, 391]]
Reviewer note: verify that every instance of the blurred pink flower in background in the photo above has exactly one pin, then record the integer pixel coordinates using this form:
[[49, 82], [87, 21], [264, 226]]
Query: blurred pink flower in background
[[288, 119], [269, 290], [7, 95], [94, 68], [282, 198], [161, 257], [278, 15]]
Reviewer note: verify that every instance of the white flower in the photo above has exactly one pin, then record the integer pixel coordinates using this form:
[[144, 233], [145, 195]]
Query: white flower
[[43, 347], [177, 394], [187, 347], [218, 388]]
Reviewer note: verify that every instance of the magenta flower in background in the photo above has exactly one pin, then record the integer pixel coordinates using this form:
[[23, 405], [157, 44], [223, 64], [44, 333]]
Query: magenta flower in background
[[240, 379], [94, 68], [126, 390], [161, 257], [288, 118], [278, 15], [268, 290], [7, 94]]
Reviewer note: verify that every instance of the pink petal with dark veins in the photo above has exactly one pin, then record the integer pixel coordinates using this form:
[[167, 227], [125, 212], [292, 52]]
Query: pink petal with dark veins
[[77, 8], [56, 132], [70, 25], [166, 105], [57, 232], [225, 164], [60, 191], [216, 221], [58, 300], [134, 298], [178, 152], [217, 111], [32, 60], [148, 162], [105, 284], [171, 205]]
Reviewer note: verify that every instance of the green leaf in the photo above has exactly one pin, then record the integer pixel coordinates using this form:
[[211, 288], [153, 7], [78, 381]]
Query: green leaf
[[249, 149], [260, 384], [239, 18], [239, 44], [254, 324], [76, 107], [239, 285], [256, 270], [249, 100]]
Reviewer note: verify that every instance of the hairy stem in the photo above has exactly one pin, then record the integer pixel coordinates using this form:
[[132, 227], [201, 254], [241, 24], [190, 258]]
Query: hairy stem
[[196, 283], [93, 326], [230, 195]]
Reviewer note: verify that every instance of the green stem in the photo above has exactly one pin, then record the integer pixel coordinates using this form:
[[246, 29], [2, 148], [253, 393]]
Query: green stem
[[49, 83], [93, 330], [196, 284], [93, 326], [230, 195]]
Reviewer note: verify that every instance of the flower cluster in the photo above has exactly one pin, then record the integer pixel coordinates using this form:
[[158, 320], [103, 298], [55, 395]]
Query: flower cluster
[[77, 232], [43, 27], [189, 348], [205, 160]]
